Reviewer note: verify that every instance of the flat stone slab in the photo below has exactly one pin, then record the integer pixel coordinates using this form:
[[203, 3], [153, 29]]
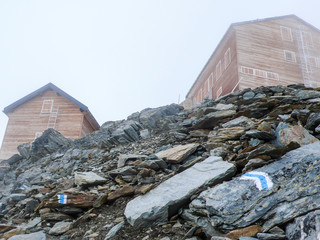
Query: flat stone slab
[[33, 236], [60, 228], [304, 227], [272, 195], [165, 200], [212, 119], [178, 153], [88, 179]]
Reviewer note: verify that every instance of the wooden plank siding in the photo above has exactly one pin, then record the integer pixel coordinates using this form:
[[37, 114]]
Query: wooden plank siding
[[261, 47], [26, 121], [210, 81], [275, 51], [86, 127]]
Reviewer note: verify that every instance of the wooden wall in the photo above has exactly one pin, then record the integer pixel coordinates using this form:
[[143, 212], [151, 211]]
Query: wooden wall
[[86, 126], [278, 51], [26, 121], [262, 48], [214, 81]]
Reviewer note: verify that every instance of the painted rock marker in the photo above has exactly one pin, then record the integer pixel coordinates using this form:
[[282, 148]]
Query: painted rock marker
[[62, 198], [261, 179]]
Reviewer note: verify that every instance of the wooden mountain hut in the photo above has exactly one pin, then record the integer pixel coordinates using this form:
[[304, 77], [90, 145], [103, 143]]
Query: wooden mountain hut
[[47, 107], [274, 51]]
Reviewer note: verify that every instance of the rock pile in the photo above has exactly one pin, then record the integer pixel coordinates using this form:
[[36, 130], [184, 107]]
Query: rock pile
[[244, 166]]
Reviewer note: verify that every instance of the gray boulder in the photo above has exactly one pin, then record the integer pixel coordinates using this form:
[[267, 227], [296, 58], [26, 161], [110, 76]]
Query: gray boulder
[[14, 159], [16, 197], [313, 121], [269, 236], [60, 228], [305, 227], [151, 117], [165, 200], [307, 94], [83, 179], [49, 142], [124, 158], [33, 236], [212, 119], [113, 231], [127, 132], [262, 135], [271, 195], [239, 121]]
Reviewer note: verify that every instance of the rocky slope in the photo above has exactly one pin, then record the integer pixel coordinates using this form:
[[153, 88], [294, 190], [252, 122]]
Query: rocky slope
[[244, 166]]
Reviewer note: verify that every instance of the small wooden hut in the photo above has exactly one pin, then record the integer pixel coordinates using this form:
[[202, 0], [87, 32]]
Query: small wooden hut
[[47, 107]]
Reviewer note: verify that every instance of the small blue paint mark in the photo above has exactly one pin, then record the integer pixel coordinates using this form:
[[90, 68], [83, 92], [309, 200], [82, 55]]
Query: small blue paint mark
[[62, 199], [262, 179]]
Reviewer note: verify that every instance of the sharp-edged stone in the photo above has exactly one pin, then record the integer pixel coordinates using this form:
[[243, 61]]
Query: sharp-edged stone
[[274, 194], [177, 154], [158, 204]]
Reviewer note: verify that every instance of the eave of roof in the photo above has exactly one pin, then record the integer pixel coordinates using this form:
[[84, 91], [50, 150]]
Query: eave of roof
[[241, 23], [49, 86]]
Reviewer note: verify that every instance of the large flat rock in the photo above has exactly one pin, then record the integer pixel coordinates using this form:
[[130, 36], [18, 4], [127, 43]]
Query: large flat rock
[[272, 195], [88, 179], [165, 200], [33, 236], [212, 119], [177, 153]]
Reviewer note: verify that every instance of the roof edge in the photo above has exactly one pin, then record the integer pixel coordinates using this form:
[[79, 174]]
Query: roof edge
[[49, 86]]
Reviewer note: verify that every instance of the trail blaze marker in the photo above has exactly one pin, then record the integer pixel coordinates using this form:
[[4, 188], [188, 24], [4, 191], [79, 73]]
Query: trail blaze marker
[[62, 199], [261, 179]]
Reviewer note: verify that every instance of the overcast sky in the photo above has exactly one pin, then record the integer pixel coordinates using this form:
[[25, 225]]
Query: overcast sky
[[121, 56]]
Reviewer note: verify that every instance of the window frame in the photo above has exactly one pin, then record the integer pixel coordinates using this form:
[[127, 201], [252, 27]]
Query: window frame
[[219, 92], [293, 54], [305, 35], [273, 78], [282, 29], [220, 70], [227, 53], [47, 102]]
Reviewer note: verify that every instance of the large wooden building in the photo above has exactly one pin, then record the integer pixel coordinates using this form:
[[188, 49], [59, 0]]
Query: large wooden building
[[47, 107], [274, 51]]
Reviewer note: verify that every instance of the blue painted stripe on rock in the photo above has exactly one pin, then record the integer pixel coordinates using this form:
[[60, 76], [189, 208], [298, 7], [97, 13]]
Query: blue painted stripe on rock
[[262, 179]]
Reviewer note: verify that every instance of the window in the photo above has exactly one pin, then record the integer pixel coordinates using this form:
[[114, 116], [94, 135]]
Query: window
[[200, 95], [47, 106], [312, 61], [227, 58], [247, 70], [286, 33], [289, 56], [210, 81], [260, 73], [206, 88], [307, 39], [272, 76], [219, 92], [218, 70]]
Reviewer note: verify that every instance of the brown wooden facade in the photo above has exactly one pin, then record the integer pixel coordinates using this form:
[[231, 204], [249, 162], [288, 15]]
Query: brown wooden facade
[[48, 107], [274, 51]]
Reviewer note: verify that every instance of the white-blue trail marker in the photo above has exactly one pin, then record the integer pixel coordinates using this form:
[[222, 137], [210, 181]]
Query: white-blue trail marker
[[62, 198], [261, 179]]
